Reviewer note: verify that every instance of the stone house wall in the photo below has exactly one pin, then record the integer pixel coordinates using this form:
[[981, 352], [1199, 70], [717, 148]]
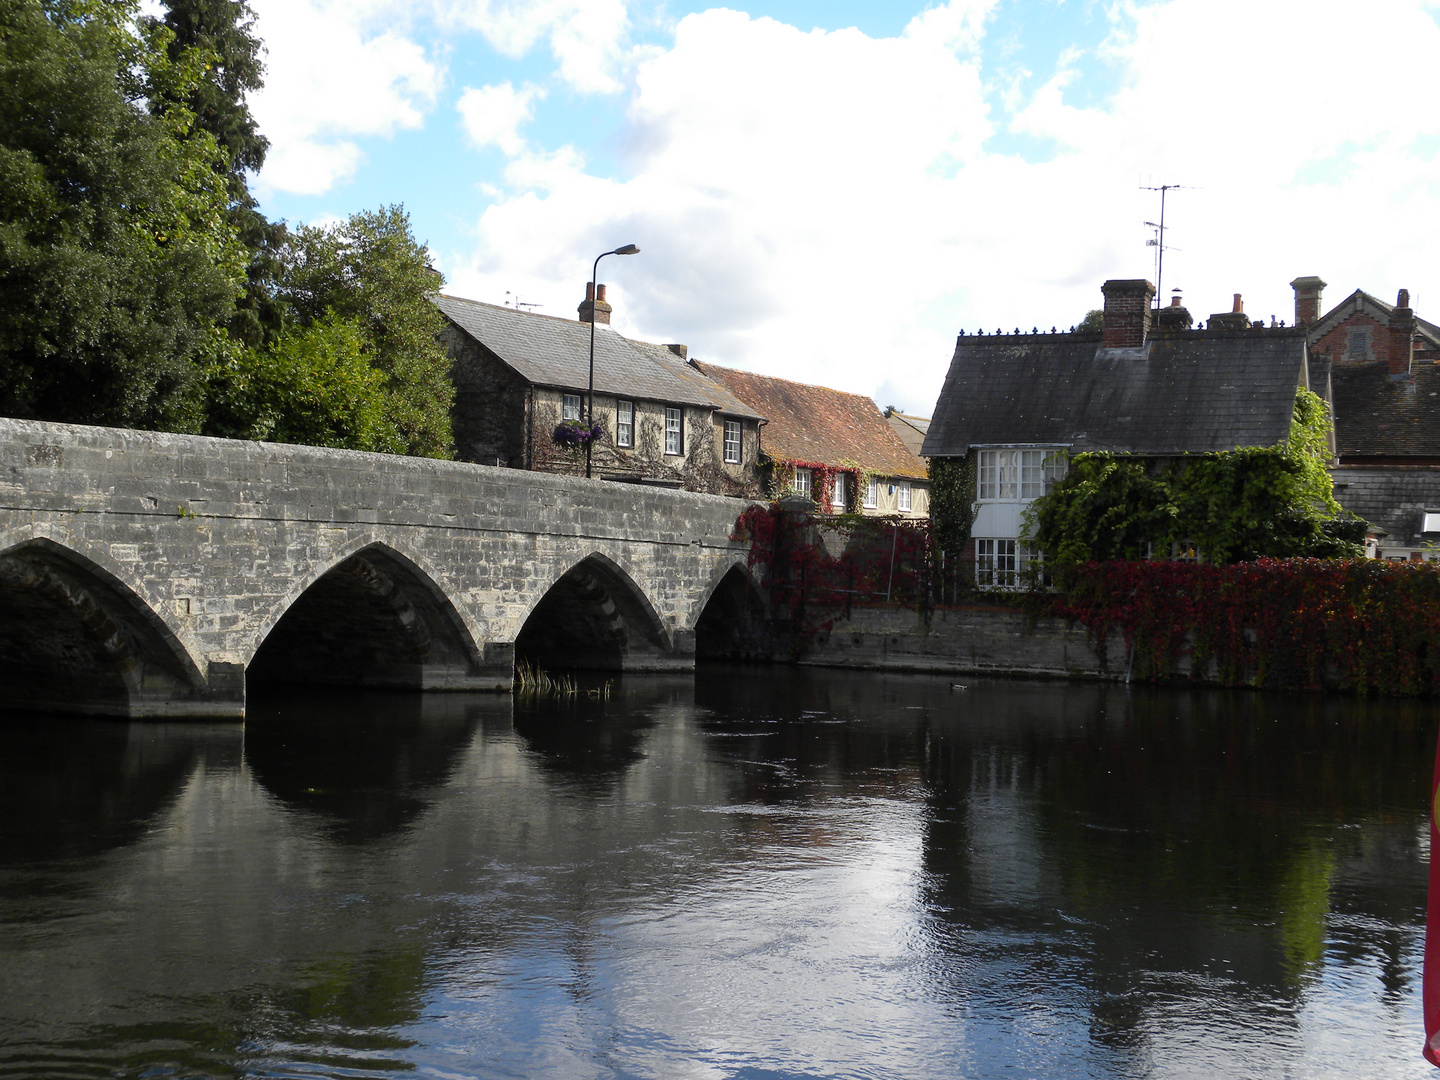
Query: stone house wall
[[699, 468]]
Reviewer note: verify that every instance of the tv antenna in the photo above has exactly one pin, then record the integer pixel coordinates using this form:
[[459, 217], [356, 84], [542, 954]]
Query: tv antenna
[[518, 304], [1159, 241]]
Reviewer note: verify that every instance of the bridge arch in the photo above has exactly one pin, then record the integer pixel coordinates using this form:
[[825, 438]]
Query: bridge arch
[[730, 623], [595, 616], [369, 616], [76, 636]]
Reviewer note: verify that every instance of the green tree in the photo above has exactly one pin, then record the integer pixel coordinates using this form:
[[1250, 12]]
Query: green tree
[[117, 256], [312, 385], [371, 270], [221, 33], [1094, 320]]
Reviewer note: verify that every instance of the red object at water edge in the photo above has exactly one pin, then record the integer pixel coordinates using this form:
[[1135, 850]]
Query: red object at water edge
[[1432, 930]]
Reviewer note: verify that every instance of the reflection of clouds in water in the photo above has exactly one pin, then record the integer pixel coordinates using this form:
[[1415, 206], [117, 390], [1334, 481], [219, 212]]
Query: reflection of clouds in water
[[755, 892]]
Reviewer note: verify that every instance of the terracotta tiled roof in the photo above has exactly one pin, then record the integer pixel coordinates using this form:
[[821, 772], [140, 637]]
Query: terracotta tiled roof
[[817, 424]]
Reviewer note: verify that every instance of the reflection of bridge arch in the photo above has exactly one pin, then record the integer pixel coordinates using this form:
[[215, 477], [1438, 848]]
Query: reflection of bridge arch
[[594, 615], [74, 633], [369, 617]]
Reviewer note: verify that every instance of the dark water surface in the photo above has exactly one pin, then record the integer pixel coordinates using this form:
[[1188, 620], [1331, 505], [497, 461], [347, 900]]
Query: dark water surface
[[756, 873]]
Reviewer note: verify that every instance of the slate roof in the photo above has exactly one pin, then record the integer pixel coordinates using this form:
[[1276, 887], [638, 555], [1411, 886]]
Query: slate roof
[[1186, 391], [820, 425], [1391, 499], [911, 429], [554, 352], [1379, 415]]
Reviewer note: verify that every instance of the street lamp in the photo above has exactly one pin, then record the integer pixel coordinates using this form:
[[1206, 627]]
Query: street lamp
[[628, 249]]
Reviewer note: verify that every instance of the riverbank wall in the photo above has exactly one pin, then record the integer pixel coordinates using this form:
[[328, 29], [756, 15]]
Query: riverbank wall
[[964, 640]]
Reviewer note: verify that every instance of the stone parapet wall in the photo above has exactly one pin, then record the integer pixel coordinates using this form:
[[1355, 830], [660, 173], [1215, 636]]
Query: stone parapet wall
[[964, 640]]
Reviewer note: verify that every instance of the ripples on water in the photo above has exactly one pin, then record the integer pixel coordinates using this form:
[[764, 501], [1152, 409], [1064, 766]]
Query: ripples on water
[[754, 874]]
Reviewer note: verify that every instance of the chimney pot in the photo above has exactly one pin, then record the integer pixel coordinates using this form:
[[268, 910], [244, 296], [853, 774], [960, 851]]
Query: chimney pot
[[594, 308], [1174, 301], [1403, 299], [1239, 305]]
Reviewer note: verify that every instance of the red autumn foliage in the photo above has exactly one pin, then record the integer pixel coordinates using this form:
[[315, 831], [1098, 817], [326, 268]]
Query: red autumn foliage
[[1302, 624]]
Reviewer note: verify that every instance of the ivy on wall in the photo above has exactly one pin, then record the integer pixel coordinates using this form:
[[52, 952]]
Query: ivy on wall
[[1225, 507]]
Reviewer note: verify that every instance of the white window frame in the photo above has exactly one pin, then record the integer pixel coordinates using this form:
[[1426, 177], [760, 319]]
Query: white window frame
[[674, 429], [902, 496], [838, 494], [1002, 562], [1013, 474], [733, 447], [570, 407], [625, 423], [803, 483], [872, 493]]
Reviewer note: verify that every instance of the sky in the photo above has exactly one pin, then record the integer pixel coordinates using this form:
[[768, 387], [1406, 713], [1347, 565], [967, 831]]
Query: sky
[[830, 192]]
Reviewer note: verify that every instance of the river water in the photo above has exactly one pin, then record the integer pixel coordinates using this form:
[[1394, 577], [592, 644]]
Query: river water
[[754, 873]]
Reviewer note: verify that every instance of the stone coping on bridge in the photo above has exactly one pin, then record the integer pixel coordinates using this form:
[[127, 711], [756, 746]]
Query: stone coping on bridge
[[181, 554]]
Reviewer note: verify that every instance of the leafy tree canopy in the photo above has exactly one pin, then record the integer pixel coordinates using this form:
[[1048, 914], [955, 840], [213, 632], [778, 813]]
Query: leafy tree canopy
[[1227, 507], [313, 385], [117, 258], [371, 273]]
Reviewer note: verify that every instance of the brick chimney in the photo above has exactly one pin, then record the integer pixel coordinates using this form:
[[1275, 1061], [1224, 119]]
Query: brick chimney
[[1127, 312], [594, 308], [1402, 334], [1307, 299]]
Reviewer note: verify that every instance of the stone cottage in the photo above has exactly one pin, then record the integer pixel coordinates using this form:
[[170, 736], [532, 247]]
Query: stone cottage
[[519, 375]]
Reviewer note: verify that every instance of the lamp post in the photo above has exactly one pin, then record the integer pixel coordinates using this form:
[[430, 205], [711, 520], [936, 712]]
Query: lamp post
[[628, 249]]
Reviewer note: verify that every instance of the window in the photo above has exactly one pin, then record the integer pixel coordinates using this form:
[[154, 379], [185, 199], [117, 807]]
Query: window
[[732, 442], [570, 408], [1359, 345], [838, 494], [674, 430], [625, 423], [902, 496], [1018, 474], [872, 493], [1001, 564], [802, 482]]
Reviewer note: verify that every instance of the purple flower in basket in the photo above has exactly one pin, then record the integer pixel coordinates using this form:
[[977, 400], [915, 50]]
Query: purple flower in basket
[[574, 434]]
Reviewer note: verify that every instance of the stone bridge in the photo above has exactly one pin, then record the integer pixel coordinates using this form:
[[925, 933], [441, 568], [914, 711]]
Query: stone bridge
[[149, 574]]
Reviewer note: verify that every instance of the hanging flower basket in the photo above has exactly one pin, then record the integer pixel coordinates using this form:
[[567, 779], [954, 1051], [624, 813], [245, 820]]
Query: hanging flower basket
[[575, 434]]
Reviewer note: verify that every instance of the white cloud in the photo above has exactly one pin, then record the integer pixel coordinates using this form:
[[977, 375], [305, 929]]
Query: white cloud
[[329, 80], [828, 206], [585, 36], [492, 115]]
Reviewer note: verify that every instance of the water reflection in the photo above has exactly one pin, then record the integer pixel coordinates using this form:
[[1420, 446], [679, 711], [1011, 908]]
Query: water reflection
[[756, 873], [365, 765]]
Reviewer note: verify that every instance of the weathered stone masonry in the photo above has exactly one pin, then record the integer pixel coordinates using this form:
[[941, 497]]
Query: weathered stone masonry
[[141, 573]]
